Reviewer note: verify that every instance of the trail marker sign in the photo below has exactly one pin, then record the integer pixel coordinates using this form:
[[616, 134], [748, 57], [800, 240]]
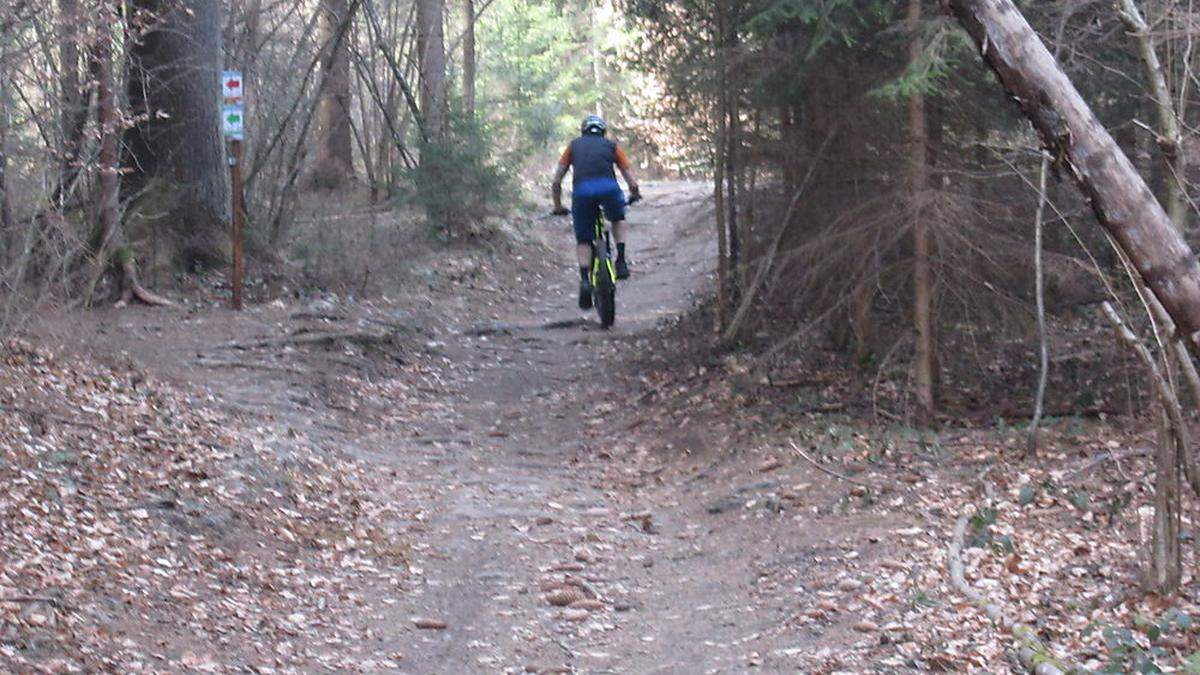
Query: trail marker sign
[[233, 125], [233, 121], [232, 87]]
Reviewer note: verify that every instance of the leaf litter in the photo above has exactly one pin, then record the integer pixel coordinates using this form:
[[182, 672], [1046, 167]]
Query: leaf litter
[[142, 533]]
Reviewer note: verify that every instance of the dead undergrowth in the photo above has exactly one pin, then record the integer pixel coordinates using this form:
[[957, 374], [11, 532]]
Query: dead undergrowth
[[1056, 541]]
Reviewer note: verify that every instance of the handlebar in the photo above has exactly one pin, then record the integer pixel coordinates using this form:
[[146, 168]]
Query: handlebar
[[566, 212]]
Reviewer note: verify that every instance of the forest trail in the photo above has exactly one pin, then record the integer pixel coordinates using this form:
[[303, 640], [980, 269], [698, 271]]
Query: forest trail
[[515, 459], [534, 478]]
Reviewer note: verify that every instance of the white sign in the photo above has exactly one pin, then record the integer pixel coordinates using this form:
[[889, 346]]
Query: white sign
[[233, 122], [232, 89]]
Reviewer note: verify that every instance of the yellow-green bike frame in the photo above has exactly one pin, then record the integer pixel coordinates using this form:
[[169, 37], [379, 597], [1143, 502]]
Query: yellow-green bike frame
[[604, 275]]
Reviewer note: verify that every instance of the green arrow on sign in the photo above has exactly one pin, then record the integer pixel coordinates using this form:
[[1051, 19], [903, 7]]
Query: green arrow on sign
[[233, 119]]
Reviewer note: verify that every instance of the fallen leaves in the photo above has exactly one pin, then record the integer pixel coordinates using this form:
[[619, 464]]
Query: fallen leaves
[[135, 507]]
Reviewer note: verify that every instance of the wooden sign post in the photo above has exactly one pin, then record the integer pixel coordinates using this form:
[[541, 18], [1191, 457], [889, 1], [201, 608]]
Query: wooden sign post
[[233, 121]]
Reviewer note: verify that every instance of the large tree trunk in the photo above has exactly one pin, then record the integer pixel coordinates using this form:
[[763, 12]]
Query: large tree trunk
[[469, 66], [174, 156], [431, 50], [923, 375], [333, 166], [1123, 203]]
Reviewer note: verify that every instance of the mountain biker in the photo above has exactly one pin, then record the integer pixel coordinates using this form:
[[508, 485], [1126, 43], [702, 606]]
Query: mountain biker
[[593, 158]]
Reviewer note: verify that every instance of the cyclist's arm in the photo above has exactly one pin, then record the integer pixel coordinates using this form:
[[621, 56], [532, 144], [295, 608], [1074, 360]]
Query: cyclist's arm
[[626, 168], [556, 186], [564, 164]]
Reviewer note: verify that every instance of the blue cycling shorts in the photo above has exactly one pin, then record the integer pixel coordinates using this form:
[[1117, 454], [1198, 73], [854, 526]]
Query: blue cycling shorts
[[589, 199]]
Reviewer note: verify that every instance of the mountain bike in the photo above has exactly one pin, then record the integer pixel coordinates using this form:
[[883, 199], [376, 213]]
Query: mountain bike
[[604, 271]]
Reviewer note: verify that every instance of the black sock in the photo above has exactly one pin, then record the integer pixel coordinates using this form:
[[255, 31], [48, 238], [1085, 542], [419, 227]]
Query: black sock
[[621, 251], [584, 273]]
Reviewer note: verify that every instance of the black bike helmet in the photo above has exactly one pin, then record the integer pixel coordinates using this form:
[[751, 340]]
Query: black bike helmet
[[593, 124]]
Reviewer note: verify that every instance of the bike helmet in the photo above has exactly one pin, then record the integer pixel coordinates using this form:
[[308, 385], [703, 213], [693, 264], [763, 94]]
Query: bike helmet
[[593, 124]]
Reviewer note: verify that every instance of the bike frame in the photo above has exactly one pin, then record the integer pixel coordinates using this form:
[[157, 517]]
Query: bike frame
[[602, 262]]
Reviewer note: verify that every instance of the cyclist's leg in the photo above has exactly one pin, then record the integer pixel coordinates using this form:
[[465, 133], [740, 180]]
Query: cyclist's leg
[[584, 210], [614, 210], [583, 215], [620, 228]]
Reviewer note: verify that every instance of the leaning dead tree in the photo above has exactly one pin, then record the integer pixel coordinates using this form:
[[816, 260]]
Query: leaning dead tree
[[1081, 146], [1147, 239]]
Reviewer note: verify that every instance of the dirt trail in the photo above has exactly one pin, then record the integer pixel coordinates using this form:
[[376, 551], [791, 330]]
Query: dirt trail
[[521, 465], [529, 487]]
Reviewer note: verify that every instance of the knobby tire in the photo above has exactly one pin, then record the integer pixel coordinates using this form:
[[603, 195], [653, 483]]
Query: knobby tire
[[606, 301]]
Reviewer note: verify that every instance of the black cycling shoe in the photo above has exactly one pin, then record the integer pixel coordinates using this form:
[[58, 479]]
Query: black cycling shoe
[[622, 269], [585, 294]]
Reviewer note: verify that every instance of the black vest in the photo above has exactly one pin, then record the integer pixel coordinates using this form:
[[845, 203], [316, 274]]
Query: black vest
[[593, 157]]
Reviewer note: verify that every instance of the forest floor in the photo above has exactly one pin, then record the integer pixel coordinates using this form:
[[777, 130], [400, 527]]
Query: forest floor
[[472, 477]]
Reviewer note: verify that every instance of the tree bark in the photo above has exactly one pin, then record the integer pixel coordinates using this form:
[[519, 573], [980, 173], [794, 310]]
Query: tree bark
[[723, 303], [6, 218], [333, 166], [1166, 559], [431, 50], [1039, 293], [111, 251], [923, 375], [175, 153], [1170, 134], [73, 104], [108, 183], [1120, 198], [729, 44], [469, 66]]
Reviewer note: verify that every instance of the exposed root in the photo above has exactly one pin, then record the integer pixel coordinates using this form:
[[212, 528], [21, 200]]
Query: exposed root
[[831, 472], [1033, 654], [134, 288], [357, 337], [214, 363]]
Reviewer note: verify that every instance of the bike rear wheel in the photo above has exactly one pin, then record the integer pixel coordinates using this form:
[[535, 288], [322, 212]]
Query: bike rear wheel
[[606, 301]]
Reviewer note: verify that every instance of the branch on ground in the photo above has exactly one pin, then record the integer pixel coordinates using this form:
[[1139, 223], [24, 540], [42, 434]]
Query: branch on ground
[[1035, 656]]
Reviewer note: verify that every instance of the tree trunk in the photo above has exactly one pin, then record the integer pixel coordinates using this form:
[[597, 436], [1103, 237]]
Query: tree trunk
[[111, 251], [729, 42], [73, 104], [174, 156], [469, 67], [1166, 561], [431, 50], [6, 218], [108, 182], [1120, 198], [923, 375], [1170, 134], [723, 304], [333, 165]]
